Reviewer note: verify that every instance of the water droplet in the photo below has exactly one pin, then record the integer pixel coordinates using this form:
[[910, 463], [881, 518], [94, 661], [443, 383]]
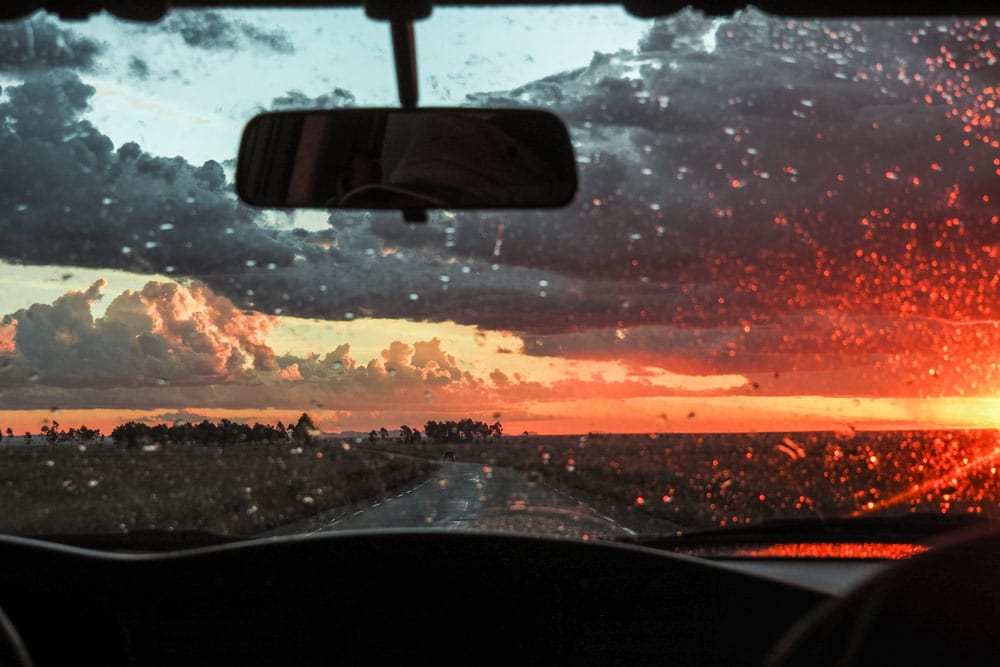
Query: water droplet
[[106, 201], [166, 227], [126, 250], [414, 296], [348, 315], [250, 263], [162, 382]]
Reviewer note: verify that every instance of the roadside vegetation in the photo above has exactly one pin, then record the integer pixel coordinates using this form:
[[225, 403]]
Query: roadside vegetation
[[718, 480], [224, 478]]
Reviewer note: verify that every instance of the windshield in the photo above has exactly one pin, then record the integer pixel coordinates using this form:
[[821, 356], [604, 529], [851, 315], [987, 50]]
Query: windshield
[[775, 295]]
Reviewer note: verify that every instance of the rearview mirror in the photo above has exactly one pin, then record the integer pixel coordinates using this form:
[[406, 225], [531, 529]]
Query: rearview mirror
[[396, 159]]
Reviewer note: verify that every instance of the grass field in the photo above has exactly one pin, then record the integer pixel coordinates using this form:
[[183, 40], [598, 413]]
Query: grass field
[[707, 480], [239, 490], [692, 480]]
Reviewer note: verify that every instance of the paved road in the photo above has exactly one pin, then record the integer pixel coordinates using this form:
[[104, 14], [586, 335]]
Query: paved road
[[473, 496]]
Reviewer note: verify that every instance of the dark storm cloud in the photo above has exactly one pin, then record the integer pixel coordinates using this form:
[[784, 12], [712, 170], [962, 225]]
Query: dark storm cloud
[[748, 172], [213, 31], [770, 171], [40, 43], [718, 187], [67, 196]]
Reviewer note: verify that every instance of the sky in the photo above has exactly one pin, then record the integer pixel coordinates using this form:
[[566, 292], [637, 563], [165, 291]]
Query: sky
[[782, 225]]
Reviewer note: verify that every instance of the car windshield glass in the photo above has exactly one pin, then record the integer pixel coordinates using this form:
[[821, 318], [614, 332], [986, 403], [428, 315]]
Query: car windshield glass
[[775, 295]]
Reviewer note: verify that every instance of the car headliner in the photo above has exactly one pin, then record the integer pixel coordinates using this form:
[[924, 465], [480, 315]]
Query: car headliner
[[153, 10]]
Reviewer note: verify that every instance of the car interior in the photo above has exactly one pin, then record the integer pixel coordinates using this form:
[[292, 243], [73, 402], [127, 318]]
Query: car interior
[[468, 596]]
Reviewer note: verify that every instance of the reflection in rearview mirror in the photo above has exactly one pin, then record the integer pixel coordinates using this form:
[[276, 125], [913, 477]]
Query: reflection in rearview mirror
[[396, 159]]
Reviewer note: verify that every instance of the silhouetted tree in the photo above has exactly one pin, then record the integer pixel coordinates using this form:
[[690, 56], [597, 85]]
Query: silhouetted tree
[[464, 430], [305, 430]]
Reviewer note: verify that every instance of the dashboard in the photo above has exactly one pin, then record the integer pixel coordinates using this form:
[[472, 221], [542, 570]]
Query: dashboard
[[392, 595]]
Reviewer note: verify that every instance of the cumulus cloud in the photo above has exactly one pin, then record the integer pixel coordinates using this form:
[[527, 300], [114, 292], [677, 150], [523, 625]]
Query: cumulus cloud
[[190, 346], [161, 335], [175, 346]]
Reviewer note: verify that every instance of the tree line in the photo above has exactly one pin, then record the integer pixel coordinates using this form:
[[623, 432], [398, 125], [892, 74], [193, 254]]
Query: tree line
[[463, 430], [51, 433], [134, 434]]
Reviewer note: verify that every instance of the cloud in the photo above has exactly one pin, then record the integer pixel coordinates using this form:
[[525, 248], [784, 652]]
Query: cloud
[[8, 333], [213, 31], [161, 335], [728, 221], [174, 346], [67, 196], [296, 99], [40, 43], [138, 67], [177, 417]]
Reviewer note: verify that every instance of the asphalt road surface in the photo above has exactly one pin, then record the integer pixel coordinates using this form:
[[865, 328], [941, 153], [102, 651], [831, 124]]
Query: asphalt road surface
[[473, 496]]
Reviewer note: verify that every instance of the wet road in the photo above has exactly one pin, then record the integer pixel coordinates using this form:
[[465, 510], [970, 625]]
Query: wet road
[[473, 496]]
